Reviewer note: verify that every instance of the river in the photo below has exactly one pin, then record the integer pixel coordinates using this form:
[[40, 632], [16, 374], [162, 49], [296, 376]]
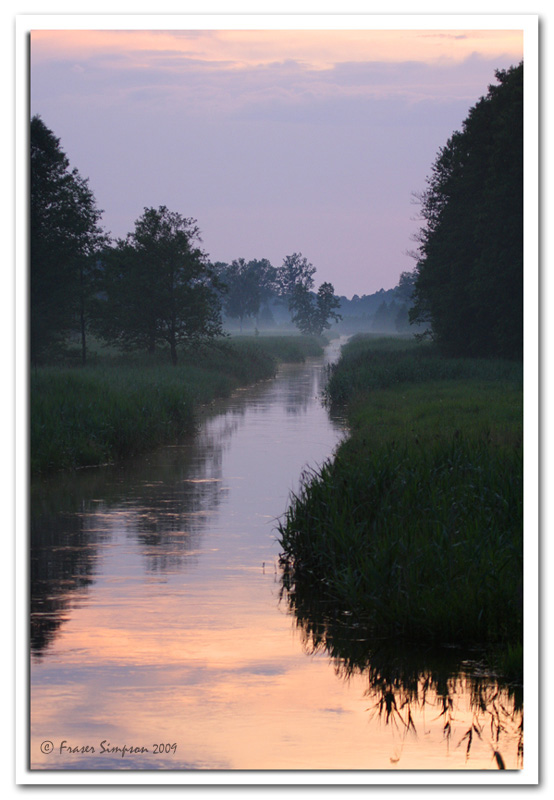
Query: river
[[161, 638]]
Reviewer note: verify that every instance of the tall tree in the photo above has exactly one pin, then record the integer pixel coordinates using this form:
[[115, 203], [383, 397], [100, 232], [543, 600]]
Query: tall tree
[[159, 286], [243, 291], [312, 314], [265, 275], [248, 286], [295, 272], [469, 284], [64, 239]]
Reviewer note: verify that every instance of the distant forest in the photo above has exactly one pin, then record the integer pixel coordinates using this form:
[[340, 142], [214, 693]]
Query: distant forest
[[255, 293]]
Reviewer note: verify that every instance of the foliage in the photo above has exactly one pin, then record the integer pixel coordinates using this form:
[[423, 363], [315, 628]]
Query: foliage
[[246, 286], [158, 286], [406, 286], [65, 239], [295, 273], [126, 404], [373, 362], [313, 314], [266, 277], [415, 527], [469, 285], [256, 289], [384, 311]]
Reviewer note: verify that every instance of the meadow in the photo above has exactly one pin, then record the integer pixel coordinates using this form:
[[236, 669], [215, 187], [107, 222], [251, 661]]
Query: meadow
[[120, 405], [415, 527]]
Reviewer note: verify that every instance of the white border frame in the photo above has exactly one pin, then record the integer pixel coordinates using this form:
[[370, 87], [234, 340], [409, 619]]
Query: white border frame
[[529, 775]]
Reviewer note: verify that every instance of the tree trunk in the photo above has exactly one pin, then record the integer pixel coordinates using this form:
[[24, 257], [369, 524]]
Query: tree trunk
[[173, 348]]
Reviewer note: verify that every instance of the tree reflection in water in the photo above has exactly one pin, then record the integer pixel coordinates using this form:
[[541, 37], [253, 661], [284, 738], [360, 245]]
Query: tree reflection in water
[[404, 681], [162, 503]]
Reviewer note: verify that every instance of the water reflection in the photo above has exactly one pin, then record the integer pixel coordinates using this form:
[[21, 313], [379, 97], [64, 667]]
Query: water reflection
[[61, 566], [407, 687], [156, 618], [162, 502]]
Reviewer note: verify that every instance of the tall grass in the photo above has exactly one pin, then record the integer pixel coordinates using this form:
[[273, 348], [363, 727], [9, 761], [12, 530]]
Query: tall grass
[[416, 526], [290, 349], [369, 363], [123, 405]]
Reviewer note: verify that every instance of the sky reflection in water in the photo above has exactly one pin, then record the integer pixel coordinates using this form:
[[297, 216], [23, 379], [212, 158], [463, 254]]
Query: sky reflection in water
[[157, 614]]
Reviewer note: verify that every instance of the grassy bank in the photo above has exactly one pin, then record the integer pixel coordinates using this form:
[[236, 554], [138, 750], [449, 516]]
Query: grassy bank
[[119, 406], [416, 526]]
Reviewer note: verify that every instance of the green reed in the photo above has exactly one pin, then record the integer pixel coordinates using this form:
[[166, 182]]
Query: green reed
[[369, 363], [120, 405], [416, 525]]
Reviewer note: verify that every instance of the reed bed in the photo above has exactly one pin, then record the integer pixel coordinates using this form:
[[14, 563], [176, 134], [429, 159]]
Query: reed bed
[[415, 527], [369, 363], [282, 347], [119, 406]]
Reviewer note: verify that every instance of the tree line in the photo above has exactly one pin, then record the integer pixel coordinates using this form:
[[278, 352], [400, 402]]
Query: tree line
[[468, 289], [157, 286], [253, 287], [154, 287]]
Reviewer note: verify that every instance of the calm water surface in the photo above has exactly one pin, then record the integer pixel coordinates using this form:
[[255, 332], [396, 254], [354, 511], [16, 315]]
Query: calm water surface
[[158, 619]]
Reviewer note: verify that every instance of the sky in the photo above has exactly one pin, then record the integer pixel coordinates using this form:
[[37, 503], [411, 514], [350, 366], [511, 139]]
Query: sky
[[275, 141]]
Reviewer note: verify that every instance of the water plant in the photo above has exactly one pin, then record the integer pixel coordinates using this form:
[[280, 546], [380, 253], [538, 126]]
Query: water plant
[[121, 405], [415, 527]]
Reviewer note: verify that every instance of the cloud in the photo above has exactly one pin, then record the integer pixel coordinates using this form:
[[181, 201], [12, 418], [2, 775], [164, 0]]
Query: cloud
[[284, 89], [310, 141], [317, 49]]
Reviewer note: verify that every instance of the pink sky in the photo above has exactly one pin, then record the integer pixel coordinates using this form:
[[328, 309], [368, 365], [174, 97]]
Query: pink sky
[[276, 141]]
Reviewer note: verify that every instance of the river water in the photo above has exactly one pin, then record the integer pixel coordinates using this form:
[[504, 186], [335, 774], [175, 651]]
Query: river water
[[159, 621]]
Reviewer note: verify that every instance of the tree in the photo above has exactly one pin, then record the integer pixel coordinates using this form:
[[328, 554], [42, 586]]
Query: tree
[[295, 272], [124, 315], [265, 276], [406, 285], [384, 319], [469, 284], [403, 293], [159, 286], [248, 287], [326, 303], [243, 292], [311, 313], [64, 243]]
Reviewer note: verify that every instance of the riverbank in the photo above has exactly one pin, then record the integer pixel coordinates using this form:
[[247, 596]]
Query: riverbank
[[119, 406], [415, 528]]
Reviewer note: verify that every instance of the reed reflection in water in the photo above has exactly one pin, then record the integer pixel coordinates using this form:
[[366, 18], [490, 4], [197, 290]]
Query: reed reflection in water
[[413, 691]]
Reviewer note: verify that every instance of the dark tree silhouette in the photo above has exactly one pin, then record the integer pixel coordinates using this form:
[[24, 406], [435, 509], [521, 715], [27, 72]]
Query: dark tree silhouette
[[469, 284], [65, 240], [312, 314], [243, 291], [159, 287]]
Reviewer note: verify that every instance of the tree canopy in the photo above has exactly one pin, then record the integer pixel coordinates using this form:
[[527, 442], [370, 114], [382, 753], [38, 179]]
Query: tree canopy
[[294, 273], [247, 285], [64, 241], [469, 282], [159, 286], [312, 313]]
